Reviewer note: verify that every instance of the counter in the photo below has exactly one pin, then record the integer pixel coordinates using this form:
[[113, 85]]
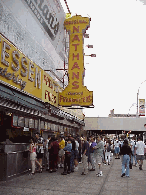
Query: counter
[[14, 160]]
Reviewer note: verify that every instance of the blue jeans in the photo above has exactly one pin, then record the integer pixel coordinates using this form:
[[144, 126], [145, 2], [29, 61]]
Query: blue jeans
[[72, 160], [133, 156], [125, 161]]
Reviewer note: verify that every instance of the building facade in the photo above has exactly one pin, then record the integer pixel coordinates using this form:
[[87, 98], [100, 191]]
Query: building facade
[[31, 49]]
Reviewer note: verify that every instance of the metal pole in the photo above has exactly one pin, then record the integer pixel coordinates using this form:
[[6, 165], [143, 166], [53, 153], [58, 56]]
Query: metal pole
[[137, 106]]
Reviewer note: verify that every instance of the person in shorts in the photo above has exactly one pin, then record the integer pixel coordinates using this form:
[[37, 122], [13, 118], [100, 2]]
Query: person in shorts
[[40, 149], [139, 148], [61, 152]]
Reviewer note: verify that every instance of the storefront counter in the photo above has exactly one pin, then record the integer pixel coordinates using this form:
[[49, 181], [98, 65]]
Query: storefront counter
[[14, 160]]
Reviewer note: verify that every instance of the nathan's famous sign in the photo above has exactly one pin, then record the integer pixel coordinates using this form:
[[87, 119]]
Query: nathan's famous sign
[[76, 93]]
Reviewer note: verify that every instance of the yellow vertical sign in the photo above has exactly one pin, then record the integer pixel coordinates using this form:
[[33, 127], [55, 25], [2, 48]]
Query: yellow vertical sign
[[76, 93]]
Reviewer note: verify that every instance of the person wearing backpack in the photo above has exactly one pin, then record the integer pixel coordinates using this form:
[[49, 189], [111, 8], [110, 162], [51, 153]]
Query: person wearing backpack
[[107, 152]]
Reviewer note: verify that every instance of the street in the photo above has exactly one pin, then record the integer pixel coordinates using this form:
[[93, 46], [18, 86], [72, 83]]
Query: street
[[75, 183]]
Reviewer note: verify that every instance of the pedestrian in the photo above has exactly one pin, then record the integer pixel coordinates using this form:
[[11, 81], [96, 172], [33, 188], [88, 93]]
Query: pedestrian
[[67, 150], [92, 157], [76, 159], [99, 155], [117, 148], [47, 142], [107, 152], [139, 148], [53, 150], [126, 152], [61, 152], [80, 147], [32, 149], [40, 149], [72, 154], [133, 144], [85, 150], [89, 159]]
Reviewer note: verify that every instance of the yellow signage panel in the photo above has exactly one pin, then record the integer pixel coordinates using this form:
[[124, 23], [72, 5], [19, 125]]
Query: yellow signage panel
[[17, 70], [50, 90], [76, 93]]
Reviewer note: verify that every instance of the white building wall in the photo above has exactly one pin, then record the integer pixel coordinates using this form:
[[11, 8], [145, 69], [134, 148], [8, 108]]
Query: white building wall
[[19, 24]]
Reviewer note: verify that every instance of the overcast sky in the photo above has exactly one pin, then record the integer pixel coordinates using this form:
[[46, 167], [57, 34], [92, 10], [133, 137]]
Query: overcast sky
[[118, 34]]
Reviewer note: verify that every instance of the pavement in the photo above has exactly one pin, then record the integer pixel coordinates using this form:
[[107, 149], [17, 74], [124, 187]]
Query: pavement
[[76, 184]]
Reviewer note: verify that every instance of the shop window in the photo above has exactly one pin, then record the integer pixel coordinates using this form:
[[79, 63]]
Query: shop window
[[21, 121], [15, 120], [26, 122], [36, 124], [42, 125], [31, 123]]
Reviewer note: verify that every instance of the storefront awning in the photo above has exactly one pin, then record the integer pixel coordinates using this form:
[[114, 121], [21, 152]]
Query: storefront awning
[[19, 100]]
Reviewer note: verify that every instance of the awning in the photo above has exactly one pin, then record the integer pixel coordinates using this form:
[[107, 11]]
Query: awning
[[10, 98]]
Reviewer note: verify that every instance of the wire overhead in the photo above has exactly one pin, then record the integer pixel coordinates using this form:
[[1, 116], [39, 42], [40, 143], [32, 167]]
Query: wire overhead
[[67, 6]]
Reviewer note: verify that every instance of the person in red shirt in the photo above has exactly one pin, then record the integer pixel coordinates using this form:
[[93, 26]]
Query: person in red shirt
[[53, 151]]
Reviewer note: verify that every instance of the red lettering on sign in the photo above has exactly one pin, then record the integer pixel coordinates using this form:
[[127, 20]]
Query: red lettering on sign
[[75, 75], [75, 46], [75, 66], [75, 84], [76, 38], [75, 29], [76, 56]]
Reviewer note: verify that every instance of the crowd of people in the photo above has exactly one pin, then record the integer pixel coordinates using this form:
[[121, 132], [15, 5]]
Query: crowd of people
[[68, 151]]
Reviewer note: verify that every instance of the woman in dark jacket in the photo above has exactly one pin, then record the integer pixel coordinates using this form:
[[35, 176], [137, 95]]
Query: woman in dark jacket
[[126, 152]]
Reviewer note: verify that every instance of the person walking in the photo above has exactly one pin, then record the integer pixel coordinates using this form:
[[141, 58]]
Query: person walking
[[139, 148], [85, 150], [76, 159], [53, 149], [133, 144], [67, 150], [72, 154], [40, 149], [47, 142], [61, 152], [92, 157], [107, 152], [117, 148], [126, 152], [99, 155], [32, 149]]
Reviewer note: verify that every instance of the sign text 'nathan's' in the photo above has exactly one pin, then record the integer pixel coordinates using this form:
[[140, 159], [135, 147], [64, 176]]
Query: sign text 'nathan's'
[[76, 93]]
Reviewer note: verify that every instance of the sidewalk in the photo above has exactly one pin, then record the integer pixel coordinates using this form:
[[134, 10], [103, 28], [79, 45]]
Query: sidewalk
[[54, 183]]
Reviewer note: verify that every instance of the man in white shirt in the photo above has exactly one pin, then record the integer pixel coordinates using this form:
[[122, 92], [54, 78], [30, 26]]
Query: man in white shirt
[[139, 148]]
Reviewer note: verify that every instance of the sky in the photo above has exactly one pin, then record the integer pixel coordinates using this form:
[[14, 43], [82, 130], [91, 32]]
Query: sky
[[118, 35]]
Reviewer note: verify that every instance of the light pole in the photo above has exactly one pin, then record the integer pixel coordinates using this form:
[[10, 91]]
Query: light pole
[[137, 98]]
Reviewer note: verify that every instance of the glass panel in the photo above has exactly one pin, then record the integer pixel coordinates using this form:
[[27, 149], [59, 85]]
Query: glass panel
[[31, 123], [36, 124], [27, 122], [21, 121], [46, 125], [42, 124], [15, 120]]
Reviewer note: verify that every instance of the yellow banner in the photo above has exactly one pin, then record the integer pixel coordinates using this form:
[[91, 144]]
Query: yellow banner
[[50, 90], [17, 70], [76, 93]]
